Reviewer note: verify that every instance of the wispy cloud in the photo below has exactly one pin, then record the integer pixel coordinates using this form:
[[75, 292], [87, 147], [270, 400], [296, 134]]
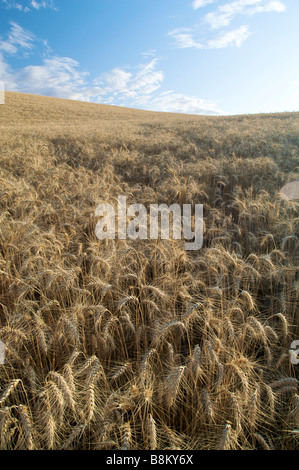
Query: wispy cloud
[[131, 86], [185, 38], [149, 53], [140, 87], [17, 38], [225, 14], [56, 76], [29, 5], [222, 17], [231, 38], [201, 3], [170, 101], [62, 77], [41, 4], [275, 6]]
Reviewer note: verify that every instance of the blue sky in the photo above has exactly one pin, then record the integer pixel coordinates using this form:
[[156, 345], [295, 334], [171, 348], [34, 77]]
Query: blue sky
[[191, 56]]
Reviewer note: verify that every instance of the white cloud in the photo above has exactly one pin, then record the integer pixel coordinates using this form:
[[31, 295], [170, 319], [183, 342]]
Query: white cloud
[[232, 38], [220, 18], [179, 103], [274, 5], [62, 77], [28, 5], [201, 3], [38, 5], [17, 38], [149, 53], [125, 86], [225, 14], [184, 38], [236, 37], [57, 76], [5, 76], [116, 81]]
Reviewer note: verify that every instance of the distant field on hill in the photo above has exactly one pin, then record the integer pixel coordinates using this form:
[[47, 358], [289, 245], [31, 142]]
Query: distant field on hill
[[121, 344]]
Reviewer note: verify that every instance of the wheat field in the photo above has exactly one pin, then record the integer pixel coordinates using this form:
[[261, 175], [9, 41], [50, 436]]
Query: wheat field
[[141, 345]]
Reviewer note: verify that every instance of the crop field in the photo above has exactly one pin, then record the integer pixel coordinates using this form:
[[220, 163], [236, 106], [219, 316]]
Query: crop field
[[140, 344]]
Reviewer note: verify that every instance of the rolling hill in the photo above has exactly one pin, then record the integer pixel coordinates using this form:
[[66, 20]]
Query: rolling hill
[[123, 344]]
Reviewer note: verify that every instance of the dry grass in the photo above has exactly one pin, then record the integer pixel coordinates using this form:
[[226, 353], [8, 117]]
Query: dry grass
[[141, 345]]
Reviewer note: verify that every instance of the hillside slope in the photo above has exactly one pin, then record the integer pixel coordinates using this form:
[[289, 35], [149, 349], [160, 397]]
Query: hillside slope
[[121, 344]]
